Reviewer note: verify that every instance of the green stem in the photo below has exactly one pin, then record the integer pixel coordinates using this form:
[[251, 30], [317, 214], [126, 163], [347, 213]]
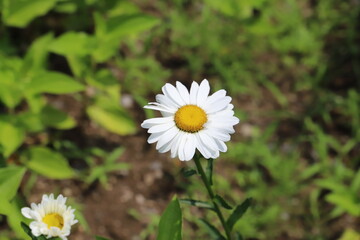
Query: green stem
[[212, 195]]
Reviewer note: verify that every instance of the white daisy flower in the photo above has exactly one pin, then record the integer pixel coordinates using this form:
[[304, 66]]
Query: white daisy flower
[[52, 217], [191, 120]]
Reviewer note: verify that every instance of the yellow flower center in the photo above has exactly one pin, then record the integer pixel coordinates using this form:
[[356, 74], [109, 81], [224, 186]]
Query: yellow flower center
[[190, 118], [54, 220]]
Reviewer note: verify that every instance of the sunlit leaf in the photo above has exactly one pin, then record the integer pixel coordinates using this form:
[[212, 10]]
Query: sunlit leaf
[[18, 13], [114, 120], [53, 82], [10, 91], [55, 118], [346, 202], [11, 137], [48, 163], [10, 178], [73, 43]]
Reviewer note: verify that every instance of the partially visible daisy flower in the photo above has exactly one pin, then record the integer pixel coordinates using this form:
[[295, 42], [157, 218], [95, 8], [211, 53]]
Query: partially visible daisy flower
[[191, 120], [52, 217]]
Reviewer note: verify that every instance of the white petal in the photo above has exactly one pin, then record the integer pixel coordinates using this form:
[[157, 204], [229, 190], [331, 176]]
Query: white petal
[[171, 92], [221, 145], [220, 135], [154, 137], [148, 123], [167, 137], [160, 108], [181, 148], [184, 93], [161, 127], [164, 100], [217, 106], [201, 147], [193, 93], [176, 143], [216, 96], [190, 147], [208, 141], [26, 212], [203, 93]]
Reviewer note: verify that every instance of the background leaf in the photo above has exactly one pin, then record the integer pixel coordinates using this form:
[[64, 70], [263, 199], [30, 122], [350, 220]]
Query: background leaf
[[10, 144], [114, 119], [10, 178], [48, 163], [53, 82], [18, 13]]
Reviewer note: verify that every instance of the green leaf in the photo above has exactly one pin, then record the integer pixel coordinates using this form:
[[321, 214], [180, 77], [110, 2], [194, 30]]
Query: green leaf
[[170, 222], [197, 203], [115, 155], [188, 172], [350, 234], [48, 163], [120, 26], [36, 56], [55, 118], [355, 184], [11, 137], [113, 119], [14, 217], [10, 178], [18, 13], [213, 231], [222, 202], [27, 230], [100, 238], [10, 91], [346, 202], [73, 43], [238, 213], [53, 82], [209, 170]]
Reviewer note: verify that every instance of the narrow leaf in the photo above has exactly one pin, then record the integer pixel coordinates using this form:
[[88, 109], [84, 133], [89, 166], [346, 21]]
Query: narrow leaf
[[170, 222], [197, 203], [188, 172], [222, 202], [238, 213], [27, 230], [213, 231]]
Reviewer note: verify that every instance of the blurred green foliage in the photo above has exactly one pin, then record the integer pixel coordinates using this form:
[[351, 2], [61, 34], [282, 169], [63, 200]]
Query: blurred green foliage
[[292, 68]]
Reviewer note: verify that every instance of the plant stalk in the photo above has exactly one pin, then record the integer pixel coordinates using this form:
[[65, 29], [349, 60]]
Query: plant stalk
[[212, 195]]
